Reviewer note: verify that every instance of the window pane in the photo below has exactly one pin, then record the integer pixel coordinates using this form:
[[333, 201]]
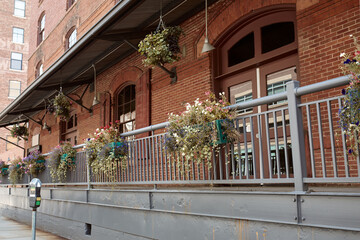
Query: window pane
[[18, 35], [19, 8], [241, 93], [242, 50], [276, 35], [42, 23], [16, 56], [15, 64], [14, 89], [126, 108], [72, 38], [276, 82]]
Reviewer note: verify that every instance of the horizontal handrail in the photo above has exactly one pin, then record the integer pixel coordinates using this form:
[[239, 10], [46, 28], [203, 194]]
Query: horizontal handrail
[[320, 86]]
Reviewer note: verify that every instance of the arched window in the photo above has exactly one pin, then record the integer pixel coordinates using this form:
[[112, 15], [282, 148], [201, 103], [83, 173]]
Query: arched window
[[126, 108], [39, 69], [70, 38], [69, 3], [258, 58], [41, 28]]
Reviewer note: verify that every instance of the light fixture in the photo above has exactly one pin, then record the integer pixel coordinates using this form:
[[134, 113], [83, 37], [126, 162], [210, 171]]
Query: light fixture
[[95, 101], [207, 46]]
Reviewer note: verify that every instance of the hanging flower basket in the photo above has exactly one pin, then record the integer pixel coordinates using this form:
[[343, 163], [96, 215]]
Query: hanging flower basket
[[161, 46], [107, 151], [19, 131], [349, 113], [202, 128], [61, 160], [16, 170], [34, 163], [62, 106]]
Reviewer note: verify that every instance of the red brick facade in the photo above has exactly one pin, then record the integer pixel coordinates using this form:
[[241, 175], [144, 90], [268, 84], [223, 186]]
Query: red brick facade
[[322, 29], [7, 22]]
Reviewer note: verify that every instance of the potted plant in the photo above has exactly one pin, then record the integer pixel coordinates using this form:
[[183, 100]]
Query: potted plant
[[16, 170], [349, 113], [106, 150], [61, 160], [34, 163], [161, 46], [203, 127], [4, 168], [19, 131], [62, 106]]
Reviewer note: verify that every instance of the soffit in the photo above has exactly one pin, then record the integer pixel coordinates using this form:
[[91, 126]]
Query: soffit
[[106, 43]]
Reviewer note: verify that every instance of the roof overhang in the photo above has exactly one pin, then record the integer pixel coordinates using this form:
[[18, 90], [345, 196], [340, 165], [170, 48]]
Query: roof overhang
[[105, 44]]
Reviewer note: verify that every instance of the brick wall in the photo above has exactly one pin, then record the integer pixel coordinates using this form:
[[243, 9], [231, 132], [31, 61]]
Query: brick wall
[[7, 22], [322, 28]]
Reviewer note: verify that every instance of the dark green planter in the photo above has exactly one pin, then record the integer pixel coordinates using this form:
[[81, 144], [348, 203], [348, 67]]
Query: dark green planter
[[64, 158]]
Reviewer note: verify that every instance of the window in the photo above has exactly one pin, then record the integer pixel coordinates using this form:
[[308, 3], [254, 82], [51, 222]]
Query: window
[[69, 3], [276, 35], [41, 28], [241, 93], [276, 82], [69, 129], [14, 88], [71, 38], [19, 8], [126, 108], [39, 69], [243, 50], [16, 61], [18, 35]]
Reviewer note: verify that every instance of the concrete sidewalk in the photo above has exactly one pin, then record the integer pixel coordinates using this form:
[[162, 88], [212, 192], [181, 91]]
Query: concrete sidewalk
[[10, 229]]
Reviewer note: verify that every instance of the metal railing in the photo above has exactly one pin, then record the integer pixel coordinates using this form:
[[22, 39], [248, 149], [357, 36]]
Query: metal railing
[[295, 143]]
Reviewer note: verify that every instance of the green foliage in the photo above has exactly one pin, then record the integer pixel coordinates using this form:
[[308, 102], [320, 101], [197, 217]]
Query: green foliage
[[161, 47], [4, 168], [106, 150], [16, 170], [349, 113], [62, 106], [19, 131], [61, 160], [193, 133]]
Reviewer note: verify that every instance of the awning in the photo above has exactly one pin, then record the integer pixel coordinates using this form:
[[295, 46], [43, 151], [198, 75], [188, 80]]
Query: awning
[[105, 44]]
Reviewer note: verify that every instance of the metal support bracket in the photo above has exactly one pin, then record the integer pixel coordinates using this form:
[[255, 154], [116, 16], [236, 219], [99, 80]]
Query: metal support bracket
[[12, 143], [172, 73], [79, 103], [30, 118]]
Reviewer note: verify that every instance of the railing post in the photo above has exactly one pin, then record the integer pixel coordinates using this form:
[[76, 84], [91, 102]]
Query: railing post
[[297, 136], [88, 175]]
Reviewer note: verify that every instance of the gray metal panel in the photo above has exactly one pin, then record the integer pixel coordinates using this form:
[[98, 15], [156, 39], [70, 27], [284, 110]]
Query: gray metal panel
[[279, 208], [127, 199], [330, 210], [71, 195]]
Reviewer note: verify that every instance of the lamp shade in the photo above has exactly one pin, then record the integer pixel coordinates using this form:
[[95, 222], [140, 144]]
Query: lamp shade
[[207, 47]]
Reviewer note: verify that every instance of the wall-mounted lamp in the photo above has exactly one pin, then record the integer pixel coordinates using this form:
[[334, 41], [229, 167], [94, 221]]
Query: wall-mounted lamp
[[95, 101], [207, 46]]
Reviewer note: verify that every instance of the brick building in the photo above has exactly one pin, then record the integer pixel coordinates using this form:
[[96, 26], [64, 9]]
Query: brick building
[[87, 50], [14, 49], [258, 48]]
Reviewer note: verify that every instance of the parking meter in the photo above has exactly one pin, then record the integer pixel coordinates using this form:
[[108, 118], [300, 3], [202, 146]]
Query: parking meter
[[35, 198]]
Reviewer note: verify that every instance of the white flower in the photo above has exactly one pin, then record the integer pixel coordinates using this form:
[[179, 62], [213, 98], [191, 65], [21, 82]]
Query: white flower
[[350, 35], [342, 54]]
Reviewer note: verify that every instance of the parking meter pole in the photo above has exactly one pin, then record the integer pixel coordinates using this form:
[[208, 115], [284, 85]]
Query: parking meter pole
[[34, 202], [34, 224]]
